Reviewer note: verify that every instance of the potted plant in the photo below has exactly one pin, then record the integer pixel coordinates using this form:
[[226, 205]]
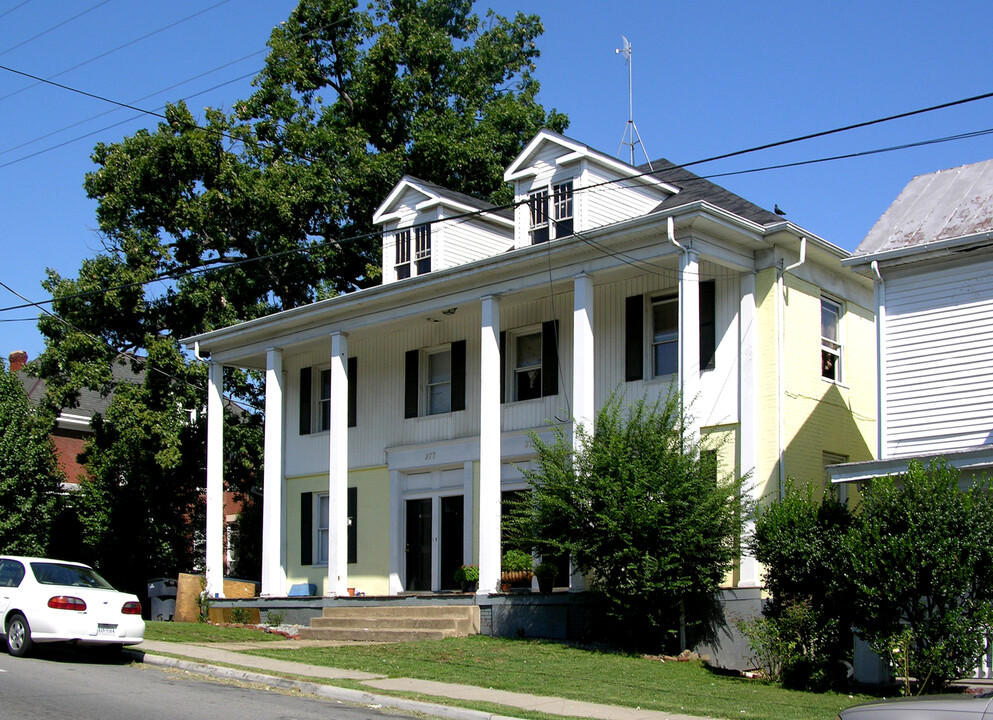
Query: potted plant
[[467, 576], [516, 567], [545, 572]]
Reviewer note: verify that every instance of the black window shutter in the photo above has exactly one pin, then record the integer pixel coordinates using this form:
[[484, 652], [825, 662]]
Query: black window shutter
[[634, 338], [306, 528], [305, 391], [708, 325], [503, 366], [458, 375], [550, 358], [353, 525], [353, 378], [411, 380]]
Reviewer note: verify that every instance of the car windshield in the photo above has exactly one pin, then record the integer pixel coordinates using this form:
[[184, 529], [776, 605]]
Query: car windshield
[[50, 573]]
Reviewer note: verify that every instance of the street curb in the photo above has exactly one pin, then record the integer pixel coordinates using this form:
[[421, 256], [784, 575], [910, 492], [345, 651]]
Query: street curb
[[354, 697]]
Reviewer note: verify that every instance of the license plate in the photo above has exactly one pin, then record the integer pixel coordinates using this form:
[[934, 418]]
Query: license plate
[[105, 629]]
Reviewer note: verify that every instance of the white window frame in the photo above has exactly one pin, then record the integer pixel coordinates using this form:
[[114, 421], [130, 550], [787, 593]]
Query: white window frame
[[426, 382], [513, 364], [401, 240], [321, 419], [562, 206], [833, 348], [832, 458], [670, 337], [321, 532], [422, 248], [538, 216], [547, 206]]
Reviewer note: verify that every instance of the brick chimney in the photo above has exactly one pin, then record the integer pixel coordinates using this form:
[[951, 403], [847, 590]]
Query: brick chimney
[[18, 359]]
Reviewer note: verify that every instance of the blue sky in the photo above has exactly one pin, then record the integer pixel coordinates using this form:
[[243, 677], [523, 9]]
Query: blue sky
[[709, 77]]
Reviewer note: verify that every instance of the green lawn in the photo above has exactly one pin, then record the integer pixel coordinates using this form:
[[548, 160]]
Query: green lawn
[[550, 668], [204, 633]]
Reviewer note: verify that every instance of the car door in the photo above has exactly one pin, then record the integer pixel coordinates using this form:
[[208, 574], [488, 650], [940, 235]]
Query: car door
[[11, 574]]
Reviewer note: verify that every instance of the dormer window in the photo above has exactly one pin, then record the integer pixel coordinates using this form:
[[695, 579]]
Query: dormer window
[[402, 240], [556, 201], [422, 248], [538, 204], [562, 200]]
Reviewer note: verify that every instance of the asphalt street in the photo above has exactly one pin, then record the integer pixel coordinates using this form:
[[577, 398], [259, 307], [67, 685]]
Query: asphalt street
[[66, 683]]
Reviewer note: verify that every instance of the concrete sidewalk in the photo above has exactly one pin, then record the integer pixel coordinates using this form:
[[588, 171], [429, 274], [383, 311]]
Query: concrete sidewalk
[[251, 668]]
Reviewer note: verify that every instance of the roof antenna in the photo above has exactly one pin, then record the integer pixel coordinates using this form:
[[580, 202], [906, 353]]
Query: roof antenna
[[631, 135]]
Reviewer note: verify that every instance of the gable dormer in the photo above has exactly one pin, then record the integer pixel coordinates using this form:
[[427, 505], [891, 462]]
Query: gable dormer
[[427, 228], [562, 187]]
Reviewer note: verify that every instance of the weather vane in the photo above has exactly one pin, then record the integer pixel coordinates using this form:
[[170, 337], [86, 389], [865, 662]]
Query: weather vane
[[631, 135]]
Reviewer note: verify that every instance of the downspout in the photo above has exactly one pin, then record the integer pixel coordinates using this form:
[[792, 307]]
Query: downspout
[[670, 226], [880, 360], [780, 349]]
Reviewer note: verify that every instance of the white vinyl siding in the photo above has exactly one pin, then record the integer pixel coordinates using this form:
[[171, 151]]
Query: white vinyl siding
[[939, 368]]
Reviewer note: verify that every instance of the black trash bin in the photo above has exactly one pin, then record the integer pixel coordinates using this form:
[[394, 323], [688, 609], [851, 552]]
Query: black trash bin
[[161, 598]]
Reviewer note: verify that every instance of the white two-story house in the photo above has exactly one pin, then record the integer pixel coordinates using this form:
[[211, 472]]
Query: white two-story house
[[930, 257], [397, 417]]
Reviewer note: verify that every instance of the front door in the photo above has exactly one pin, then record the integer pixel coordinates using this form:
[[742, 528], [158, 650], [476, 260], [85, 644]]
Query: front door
[[418, 545], [452, 540]]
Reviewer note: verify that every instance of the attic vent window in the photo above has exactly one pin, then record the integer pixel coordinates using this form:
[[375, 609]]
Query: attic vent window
[[538, 204], [402, 240], [422, 248]]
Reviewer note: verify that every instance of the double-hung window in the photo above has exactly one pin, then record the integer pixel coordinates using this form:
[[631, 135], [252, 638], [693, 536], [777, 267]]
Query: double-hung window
[[439, 382], [324, 402], [830, 340], [315, 525], [562, 205], [315, 397], [665, 335], [527, 366], [422, 249], [538, 206], [402, 265]]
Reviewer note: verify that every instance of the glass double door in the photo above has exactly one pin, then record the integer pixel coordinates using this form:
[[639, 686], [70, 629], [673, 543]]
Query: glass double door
[[434, 550]]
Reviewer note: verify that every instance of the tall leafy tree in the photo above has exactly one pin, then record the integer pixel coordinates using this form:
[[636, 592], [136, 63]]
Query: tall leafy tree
[[30, 479], [207, 222]]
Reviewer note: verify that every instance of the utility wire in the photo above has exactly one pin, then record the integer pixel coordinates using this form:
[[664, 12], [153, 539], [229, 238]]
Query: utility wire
[[113, 50], [217, 264], [54, 27], [19, 5]]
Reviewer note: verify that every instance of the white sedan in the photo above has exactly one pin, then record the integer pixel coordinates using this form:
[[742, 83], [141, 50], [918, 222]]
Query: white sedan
[[44, 601]]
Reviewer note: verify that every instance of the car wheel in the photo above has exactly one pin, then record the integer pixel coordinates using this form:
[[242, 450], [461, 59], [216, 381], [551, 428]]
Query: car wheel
[[18, 636], [110, 652]]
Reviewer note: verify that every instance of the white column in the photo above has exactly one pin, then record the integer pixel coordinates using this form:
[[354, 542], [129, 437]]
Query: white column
[[273, 573], [689, 337], [583, 386], [215, 482], [338, 469], [396, 538], [748, 569], [489, 447]]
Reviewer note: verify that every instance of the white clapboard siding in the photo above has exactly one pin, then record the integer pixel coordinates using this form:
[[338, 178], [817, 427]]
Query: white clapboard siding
[[939, 359]]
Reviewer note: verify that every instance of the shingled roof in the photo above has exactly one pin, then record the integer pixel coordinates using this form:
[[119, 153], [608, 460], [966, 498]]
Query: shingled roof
[[693, 187]]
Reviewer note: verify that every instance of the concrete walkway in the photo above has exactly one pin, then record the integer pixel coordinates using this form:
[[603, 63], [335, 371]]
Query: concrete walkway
[[252, 668]]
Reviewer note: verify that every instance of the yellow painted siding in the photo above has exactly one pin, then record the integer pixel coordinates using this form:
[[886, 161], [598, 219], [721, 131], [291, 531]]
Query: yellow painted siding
[[766, 478], [724, 439], [371, 573], [823, 416]]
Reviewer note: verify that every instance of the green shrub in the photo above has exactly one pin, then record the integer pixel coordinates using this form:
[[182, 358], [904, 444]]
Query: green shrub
[[546, 569], [800, 542], [241, 615], [274, 618], [922, 570], [516, 561], [467, 574]]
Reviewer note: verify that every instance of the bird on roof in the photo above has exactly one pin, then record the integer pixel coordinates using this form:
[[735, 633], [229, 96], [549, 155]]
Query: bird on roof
[[779, 211]]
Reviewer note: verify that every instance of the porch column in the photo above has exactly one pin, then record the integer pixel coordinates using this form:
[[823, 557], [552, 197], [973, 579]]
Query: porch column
[[689, 336], [338, 469], [582, 354], [489, 447], [273, 572], [748, 567], [215, 482]]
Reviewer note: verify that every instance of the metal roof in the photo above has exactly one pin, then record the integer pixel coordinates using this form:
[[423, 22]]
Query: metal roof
[[938, 207]]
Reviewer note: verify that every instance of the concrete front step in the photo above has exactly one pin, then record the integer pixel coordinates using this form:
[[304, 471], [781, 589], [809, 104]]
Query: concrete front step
[[462, 624], [375, 635], [393, 623]]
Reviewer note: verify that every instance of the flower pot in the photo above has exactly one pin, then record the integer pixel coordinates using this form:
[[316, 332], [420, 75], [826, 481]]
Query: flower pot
[[516, 576], [468, 586], [546, 583]]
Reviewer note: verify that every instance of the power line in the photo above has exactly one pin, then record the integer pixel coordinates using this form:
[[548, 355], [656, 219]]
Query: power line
[[54, 27], [19, 5], [113, 50]]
